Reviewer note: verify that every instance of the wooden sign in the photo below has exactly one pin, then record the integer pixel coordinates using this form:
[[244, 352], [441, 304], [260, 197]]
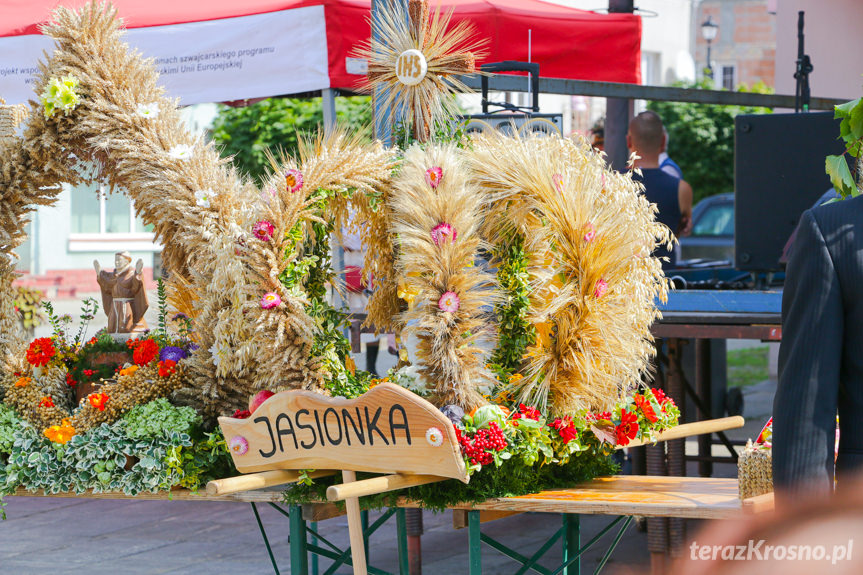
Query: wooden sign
[[386, 430]]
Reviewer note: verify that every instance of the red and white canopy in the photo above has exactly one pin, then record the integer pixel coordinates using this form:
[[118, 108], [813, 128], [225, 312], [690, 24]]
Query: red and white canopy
[[219, 50]]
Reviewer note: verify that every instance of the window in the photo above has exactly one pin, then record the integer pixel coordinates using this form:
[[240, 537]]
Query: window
[[716, 220], [727, 78], [94, 211]]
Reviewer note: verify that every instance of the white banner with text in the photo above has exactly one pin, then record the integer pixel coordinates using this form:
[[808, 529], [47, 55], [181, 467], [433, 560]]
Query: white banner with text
[[255, 56]]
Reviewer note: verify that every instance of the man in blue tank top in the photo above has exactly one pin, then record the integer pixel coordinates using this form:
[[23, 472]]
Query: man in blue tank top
[[672, 196]]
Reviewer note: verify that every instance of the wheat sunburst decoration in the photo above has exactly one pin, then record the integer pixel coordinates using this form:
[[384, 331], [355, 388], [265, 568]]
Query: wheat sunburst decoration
[[416, 58]]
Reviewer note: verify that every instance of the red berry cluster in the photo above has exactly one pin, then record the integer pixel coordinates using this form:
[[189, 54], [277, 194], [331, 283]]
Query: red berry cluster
[[70, 381], [479, 447]]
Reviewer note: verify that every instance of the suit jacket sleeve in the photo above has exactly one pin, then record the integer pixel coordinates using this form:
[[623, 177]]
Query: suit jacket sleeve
[[804, 408]]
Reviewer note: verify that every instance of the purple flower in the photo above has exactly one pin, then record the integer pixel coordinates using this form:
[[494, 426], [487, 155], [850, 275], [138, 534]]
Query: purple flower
[[270, 300], [443, 232], [179, 315], [239, 445], [172, 353], [449, 302], [433, 176], [264, 230]]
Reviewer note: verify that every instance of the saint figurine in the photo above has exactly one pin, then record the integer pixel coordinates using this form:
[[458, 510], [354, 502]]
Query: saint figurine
[[124, 298]]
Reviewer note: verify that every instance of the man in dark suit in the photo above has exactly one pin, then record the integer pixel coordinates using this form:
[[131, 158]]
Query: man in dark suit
[[821, 355]]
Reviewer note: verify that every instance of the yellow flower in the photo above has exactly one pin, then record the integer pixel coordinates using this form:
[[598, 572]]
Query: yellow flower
[[543, 334], [516, 377], [407, 293], [403, 354]]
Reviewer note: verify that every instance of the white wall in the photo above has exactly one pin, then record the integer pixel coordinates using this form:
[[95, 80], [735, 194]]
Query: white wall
[[833, 40]]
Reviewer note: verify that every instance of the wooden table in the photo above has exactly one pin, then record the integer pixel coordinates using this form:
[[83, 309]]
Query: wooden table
[[621, 496]]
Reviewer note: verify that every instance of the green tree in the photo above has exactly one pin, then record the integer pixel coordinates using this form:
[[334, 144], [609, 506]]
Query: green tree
[[274, 124], [701, 139]]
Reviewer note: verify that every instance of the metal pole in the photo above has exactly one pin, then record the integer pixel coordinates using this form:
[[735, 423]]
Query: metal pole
[[328, 101], [709, 68], [618, 110]]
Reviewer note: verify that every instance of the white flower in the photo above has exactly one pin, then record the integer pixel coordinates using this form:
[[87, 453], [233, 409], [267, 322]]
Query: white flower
[[434, 436], [202, 197], [217, 353], [150, 110], [181, 152]]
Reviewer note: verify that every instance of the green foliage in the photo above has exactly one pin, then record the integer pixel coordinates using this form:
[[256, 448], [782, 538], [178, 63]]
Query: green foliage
[[9, 424], [701, 139], [515, 332], [153, 448], [274, 124], [162, 295], [159, 418], [205, 460], [60, 325], [94, 460], [851, 132], [28, 305]]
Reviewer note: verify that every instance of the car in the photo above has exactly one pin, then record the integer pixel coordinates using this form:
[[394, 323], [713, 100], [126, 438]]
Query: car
[[712, 236]]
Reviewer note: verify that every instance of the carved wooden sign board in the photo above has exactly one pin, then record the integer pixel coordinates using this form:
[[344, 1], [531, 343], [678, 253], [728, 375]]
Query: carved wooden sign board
[[386, 430]]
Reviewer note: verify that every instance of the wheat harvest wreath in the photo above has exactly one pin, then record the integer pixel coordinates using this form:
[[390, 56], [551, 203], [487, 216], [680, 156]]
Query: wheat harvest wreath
[[515, 271]]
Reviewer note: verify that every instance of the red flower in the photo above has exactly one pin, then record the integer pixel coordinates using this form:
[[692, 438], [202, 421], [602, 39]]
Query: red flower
[[40, 352], [565, 428], [145, 352], [98, 400], [598, 416], [628, 427], [89, 372], [47, 401], [69, 381], [131, 343], [646, 408], [528, 412], [92, 341], [661, 398], [245, 413], [167, 367]]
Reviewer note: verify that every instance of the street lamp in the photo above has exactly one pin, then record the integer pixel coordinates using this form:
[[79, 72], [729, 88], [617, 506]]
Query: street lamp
[[709, 28]]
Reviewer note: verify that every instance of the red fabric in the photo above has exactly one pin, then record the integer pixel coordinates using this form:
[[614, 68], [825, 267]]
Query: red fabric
[[567, 43]]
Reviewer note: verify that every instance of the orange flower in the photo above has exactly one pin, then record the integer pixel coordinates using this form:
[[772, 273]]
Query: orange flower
[[646, 408], [41, 351], [60, 433], [47, 401], [129, 370], [167, 367], [350, 365], [22, 382], [98, 400]]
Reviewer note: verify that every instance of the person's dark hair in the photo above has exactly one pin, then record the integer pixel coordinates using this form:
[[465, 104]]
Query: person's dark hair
[[646, 132]]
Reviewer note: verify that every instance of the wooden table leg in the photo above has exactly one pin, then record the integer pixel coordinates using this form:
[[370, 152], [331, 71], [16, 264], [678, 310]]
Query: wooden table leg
[[355, 528]]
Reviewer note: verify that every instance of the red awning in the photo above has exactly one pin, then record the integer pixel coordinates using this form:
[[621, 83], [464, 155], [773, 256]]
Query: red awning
[[567, 43]]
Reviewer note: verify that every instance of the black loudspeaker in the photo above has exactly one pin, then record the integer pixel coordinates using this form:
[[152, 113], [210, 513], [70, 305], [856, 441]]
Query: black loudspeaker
[[778, 174]]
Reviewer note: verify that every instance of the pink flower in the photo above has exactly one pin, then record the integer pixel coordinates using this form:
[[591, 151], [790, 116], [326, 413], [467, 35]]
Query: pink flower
[[601, 288], [264, 230], [557, 180], [239, 445], [449, 302], [294, 180], [270, 300], [443, 232], [433, 176], [589, 232]]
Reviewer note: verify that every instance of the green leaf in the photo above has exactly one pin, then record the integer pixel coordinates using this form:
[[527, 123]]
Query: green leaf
[[840, 176], [845, 110]]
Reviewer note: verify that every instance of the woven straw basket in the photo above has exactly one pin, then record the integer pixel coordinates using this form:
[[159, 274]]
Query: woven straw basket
[[755, 471]]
